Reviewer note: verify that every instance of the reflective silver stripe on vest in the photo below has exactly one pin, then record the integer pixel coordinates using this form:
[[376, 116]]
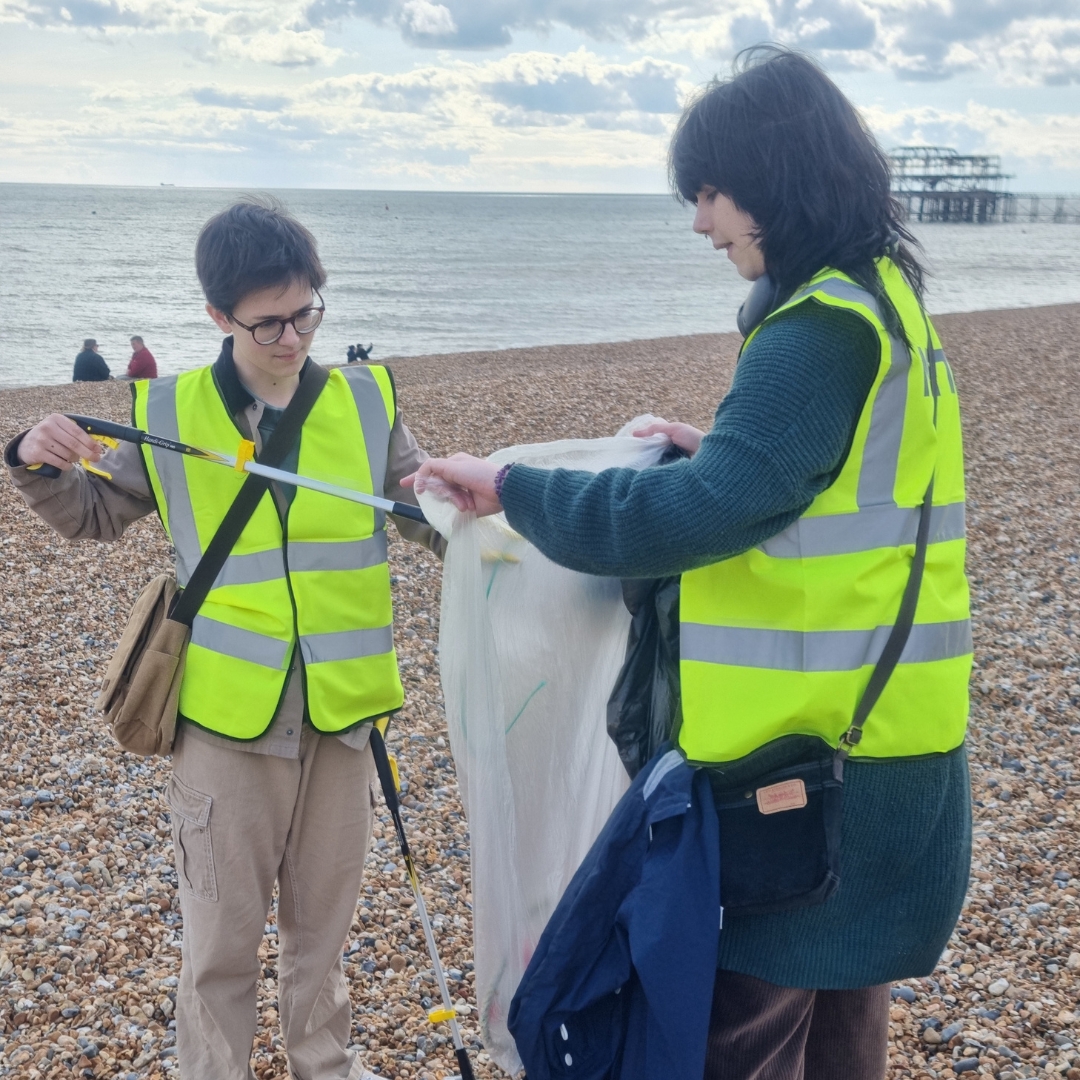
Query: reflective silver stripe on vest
[[938, 356], [252, 569], [820, 650], [935, 356], [162, 420], [242, 644], [874, 527], [344, 555], [881, 454], [346, 644], [372, 411]]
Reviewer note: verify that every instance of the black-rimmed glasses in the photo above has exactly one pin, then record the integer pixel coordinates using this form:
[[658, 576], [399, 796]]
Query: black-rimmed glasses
[[270, 330]]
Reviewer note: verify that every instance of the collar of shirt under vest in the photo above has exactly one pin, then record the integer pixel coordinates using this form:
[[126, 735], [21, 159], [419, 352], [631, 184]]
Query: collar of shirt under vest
[[238, 399]]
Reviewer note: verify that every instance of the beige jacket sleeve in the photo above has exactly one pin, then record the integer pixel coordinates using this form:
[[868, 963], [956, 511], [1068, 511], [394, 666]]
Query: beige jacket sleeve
[[81, 506], [406, 457]]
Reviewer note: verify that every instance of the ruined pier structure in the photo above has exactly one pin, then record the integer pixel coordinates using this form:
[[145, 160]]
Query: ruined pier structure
[[935, 183]]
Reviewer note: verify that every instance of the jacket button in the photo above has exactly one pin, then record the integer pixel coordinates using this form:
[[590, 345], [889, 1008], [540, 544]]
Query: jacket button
[[289, 732]]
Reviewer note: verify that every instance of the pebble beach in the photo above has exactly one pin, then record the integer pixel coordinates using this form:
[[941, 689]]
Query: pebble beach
[[90, 928]]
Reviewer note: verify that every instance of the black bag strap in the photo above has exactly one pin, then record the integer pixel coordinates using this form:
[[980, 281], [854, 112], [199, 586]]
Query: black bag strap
[[905, 617], [232, 524]]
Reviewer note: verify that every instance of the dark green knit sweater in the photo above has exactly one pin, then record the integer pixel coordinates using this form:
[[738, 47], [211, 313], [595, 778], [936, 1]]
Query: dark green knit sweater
[[780, 438]]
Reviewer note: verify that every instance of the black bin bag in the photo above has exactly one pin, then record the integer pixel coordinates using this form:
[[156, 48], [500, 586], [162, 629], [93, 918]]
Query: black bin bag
[[643, 709]]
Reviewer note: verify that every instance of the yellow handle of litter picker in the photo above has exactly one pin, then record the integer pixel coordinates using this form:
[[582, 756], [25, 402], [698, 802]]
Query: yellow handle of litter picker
[[105, 440], [382, 725], [437, 1016]]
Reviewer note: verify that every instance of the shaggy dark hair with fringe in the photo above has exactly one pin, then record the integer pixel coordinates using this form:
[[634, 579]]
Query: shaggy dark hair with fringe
[[782, 142], [254, 244]]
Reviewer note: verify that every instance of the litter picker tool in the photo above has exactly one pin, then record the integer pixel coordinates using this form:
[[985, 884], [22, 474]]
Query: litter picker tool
[[105, 431], [388, 778]]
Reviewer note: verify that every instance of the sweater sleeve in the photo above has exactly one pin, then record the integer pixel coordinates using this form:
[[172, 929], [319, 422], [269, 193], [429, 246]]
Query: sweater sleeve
[[779, 438]]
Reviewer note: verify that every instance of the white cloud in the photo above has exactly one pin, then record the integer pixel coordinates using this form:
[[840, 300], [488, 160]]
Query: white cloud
[[283, 48], [529, 120], [425, 19], [272, 33], [525, 120], [1037, 41], [1050, 138]]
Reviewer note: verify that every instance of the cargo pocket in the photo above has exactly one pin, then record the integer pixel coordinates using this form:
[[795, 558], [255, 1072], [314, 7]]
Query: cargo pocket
[[191, 839]]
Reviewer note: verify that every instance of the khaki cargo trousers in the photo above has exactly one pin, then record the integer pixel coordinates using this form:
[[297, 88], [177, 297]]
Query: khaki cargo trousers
[[242, 821]]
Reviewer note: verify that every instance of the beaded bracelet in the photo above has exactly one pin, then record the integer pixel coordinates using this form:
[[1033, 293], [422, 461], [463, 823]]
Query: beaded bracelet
[[500, 478]]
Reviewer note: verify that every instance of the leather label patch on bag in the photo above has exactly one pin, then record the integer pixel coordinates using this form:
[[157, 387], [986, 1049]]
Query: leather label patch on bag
[[787, 795]]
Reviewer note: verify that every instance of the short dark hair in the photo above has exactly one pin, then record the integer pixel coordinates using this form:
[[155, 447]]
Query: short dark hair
[[254, 244], [138, 339], [782, 142]]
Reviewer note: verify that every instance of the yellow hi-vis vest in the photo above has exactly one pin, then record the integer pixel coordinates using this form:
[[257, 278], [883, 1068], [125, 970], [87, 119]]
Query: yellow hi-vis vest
[[321, 580], [782, 639]]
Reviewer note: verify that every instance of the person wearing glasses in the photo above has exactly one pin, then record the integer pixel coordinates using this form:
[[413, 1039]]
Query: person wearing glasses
[[291, 655]]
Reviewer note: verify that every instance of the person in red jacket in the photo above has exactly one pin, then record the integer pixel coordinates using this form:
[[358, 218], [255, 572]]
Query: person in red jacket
[[142, 364]]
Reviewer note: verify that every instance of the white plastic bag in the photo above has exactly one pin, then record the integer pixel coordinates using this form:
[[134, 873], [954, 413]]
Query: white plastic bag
[[529, 653]]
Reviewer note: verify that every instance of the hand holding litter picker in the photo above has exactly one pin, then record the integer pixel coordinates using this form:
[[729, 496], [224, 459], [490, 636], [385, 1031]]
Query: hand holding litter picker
[[58, 443], [242, 461]]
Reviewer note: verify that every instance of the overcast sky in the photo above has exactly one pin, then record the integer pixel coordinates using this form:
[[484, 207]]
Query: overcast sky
[[498, 95]]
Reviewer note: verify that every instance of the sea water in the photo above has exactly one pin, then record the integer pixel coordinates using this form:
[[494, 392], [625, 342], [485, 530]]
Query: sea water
[[428, 272]]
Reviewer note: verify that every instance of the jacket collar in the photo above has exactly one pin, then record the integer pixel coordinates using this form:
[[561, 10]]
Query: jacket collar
[[233, 392]]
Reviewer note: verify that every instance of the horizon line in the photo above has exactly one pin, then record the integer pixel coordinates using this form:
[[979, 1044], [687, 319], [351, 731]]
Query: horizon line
[[449, 191]]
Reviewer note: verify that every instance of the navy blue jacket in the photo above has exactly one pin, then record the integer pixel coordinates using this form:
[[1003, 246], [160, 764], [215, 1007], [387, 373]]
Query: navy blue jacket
[[620, 986], [90, 367]]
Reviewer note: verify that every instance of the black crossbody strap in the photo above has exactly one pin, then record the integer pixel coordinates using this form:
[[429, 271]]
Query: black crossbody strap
[[905, 617], [232, 524]]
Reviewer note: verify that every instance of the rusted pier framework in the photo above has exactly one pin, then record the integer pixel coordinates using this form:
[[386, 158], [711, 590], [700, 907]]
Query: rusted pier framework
[[935, 183], [983, 206]]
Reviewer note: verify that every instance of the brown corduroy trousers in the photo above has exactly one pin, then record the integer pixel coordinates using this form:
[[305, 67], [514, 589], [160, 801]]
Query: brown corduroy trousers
[[764, 1032]]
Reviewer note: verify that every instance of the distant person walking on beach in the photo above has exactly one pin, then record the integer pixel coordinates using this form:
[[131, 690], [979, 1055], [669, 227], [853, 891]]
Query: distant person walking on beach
[[142, 364], [90, 366], [350, 354], [814, 640], [291, 657]]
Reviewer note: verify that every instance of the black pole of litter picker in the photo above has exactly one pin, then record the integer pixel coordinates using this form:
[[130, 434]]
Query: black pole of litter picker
[[388, 779]]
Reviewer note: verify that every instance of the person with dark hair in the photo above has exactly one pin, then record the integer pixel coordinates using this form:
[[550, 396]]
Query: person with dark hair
[[291, 656], [362, 353], [142, 364], [90, 366], [798, 525], [350, 354]]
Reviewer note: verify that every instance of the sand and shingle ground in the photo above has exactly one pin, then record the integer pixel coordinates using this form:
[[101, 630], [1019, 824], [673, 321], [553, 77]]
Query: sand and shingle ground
[[89, 924]]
